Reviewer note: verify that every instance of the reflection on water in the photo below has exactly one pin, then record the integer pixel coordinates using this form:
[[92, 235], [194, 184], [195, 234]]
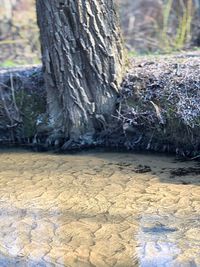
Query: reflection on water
[[97, 209]]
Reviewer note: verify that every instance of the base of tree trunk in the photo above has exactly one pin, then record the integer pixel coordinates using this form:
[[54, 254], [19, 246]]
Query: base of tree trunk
[[158, 109]]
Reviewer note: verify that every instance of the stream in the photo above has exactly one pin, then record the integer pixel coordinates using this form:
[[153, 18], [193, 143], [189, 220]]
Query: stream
[[100, 209]]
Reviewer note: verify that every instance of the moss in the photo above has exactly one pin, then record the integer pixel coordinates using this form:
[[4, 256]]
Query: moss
[[7, 63], [31, 107]]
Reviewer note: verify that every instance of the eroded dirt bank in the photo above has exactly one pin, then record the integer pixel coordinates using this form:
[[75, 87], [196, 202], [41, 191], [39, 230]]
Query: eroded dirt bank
[[157, 108], [98, 209]]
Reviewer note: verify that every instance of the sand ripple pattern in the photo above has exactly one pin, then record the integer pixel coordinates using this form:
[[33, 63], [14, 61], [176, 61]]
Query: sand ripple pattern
[[95, 209]]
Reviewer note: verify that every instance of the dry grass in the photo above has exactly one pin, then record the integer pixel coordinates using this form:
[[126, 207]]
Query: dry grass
[[160, 26], [159, 107]]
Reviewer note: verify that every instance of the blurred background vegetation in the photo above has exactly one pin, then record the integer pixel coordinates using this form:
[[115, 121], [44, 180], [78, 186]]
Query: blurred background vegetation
[[149, 26], [19, 35]]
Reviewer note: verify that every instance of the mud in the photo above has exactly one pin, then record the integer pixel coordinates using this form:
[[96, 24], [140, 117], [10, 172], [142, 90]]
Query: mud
[[96, 209]]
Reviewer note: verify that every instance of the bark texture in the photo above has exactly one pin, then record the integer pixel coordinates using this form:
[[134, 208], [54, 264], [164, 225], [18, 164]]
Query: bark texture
[[82, 59]]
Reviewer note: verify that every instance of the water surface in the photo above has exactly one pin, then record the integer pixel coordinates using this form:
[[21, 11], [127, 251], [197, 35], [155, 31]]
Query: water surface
[[97, 209]]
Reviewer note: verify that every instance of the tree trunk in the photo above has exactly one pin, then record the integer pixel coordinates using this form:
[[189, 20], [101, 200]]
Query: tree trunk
[[82, 59]]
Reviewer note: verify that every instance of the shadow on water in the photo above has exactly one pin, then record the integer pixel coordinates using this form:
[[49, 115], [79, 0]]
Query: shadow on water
[[166, 167], [20, 262], [161, 236], [162, 239]]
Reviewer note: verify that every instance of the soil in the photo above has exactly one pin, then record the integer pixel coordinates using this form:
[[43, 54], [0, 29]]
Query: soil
[[157, 108], [159, 103]]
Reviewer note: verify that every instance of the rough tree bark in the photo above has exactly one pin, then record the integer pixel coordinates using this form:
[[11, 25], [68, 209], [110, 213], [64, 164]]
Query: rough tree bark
[[82, 58]]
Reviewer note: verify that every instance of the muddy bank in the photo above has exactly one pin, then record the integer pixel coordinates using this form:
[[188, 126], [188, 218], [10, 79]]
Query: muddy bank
[[22, 103], [157, 108], [160, 104]]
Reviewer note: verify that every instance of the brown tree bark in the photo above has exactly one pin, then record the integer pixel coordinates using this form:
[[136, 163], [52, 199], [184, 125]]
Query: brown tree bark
[[82, 59]]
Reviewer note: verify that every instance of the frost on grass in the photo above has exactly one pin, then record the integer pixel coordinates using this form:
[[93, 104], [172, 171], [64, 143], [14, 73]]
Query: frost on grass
[[160, 100]]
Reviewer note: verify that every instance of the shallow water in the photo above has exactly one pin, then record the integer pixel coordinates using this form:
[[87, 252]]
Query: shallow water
[[95, 209]]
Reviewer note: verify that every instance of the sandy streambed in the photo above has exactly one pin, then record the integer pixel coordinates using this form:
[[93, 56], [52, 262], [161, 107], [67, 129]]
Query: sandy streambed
[[98, 209]]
